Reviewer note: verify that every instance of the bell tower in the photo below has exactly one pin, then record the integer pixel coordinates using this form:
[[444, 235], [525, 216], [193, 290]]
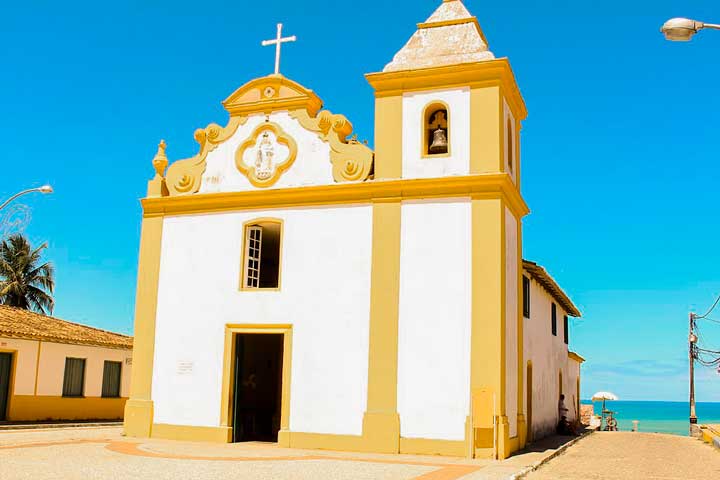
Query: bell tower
[[447, 109]]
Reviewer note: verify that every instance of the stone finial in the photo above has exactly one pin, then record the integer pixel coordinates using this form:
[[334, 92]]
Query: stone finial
[[160, 162]]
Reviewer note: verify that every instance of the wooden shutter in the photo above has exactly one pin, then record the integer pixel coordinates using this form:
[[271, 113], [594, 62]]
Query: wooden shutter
[[253, 253], [554, 319], [565, 329], [74, 377], [526, 297], [111, 379]]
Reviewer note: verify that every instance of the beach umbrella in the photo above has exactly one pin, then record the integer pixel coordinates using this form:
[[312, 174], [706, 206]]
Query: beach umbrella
[[604, 396]]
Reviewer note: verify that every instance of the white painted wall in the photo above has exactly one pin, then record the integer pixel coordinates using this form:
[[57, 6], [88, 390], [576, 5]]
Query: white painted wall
[[571, 389], [511, 319], [434, 323], [311, 167], [549, 356], [52, 366], [325, 295], [458, 163]]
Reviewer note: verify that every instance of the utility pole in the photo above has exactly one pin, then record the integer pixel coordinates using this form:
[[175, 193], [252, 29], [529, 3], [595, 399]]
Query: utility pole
[[692, 340]]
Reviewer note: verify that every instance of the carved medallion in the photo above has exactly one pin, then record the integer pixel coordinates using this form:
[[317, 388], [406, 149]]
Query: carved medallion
[[264, 156]]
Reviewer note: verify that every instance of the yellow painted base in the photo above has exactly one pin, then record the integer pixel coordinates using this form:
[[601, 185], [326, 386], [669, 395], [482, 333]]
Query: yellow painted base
[[138, 418], [33, 408], [381, 432], [426, 446], [192, 433]]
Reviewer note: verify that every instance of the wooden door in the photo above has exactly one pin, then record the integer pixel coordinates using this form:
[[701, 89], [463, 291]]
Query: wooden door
[[5, 370]]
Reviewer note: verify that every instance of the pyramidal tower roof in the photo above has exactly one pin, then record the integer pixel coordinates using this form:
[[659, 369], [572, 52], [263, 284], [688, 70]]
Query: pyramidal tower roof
[[450, 36]]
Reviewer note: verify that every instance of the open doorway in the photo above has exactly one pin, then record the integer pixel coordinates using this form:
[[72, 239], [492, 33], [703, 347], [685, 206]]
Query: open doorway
[[257, 391], [5, 374]]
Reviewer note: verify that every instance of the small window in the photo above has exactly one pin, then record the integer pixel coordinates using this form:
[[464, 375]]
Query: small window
[[111, 379], [510, 138], [554, 319], [526, 297], [436, 132], [262, 255], [74, 379], [565, 329]]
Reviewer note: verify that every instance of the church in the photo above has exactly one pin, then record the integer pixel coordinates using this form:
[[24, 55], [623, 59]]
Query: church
[[296, 286]]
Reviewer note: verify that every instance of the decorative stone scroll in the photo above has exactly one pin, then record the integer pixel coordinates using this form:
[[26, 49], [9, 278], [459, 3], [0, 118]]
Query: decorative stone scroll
[[351, 160], [184, 176]]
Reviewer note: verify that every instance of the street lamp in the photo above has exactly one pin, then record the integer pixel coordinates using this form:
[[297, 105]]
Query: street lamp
[[683, 29], [44, 190]]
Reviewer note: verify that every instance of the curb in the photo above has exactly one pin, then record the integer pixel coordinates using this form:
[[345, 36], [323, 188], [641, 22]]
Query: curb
[[48, 426], [529, 469]]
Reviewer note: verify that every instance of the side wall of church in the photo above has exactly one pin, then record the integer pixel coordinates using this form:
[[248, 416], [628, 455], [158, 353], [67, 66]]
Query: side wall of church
[[549, 356], [324, 295], [434, 324], [511, 320]]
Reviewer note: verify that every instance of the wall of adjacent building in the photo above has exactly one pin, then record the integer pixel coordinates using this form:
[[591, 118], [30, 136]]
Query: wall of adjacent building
[[324, 294], [37, 381], [549, 357]]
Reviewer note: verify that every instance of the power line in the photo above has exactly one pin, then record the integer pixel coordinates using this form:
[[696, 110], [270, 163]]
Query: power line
[[717, 300]]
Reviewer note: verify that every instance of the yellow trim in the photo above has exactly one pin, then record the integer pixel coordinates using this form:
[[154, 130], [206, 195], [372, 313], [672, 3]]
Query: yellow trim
[[427, 446], [192, 433], [576, 357], [487, 336], [485, 149], [243, 255], [381, 423], [287, 95], [37, 367], [436, 105], [139, 409], [42, 407], [388, 137], [282, 138], [228, 374], [490, 73], [489, 186], [327, 441], [521, 425]]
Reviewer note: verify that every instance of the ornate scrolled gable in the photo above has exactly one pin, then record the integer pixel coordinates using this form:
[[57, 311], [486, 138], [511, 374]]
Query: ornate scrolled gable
[[351, 161]]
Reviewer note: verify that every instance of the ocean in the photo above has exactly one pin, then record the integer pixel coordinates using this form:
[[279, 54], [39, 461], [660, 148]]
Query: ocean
[[661, 417]]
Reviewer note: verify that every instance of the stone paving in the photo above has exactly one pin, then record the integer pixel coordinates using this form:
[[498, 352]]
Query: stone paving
[[630, 456], [103, 453]]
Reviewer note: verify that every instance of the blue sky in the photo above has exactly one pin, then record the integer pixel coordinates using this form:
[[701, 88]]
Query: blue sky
[[620, 150]]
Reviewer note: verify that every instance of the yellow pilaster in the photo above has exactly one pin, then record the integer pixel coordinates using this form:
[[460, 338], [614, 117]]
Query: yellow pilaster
[[139, 408], [487, 343], [486, 132], [381, 423], [388, 137], [521, 424]]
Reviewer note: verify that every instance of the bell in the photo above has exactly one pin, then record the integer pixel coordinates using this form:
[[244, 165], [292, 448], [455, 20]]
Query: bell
[[439, 143]]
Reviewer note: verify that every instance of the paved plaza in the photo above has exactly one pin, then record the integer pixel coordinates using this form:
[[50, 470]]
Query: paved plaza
[[103, 453], [630, 456]]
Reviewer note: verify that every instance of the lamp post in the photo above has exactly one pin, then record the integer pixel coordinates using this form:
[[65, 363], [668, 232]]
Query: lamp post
[[683, 29], [45, 189]]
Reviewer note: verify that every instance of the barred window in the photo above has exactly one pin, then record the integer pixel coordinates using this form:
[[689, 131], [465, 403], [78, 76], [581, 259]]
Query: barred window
[[74, 378], [111, 379]]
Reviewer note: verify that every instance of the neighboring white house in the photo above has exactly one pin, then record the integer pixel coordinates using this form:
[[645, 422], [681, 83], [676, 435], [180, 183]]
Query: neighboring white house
[[51, 369]]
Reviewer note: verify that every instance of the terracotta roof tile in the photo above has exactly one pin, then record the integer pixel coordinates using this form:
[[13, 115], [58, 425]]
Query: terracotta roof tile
[[549, 283], [18, 323]]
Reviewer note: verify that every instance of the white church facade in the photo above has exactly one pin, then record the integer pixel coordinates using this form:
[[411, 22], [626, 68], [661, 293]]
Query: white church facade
[[296, 286]]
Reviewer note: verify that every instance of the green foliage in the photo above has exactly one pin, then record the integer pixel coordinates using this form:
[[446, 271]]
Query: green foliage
[[25, 282]]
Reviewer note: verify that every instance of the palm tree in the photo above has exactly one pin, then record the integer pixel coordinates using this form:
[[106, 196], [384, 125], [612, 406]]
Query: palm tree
[[25, 282]]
